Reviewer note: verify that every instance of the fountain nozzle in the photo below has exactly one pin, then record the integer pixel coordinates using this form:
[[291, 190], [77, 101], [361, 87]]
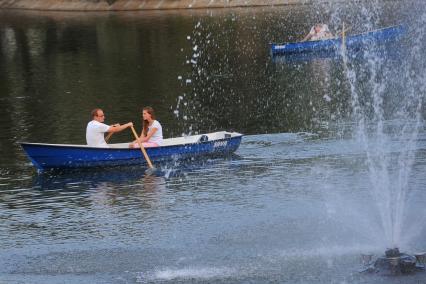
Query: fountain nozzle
[[394, 262], [393, 252]]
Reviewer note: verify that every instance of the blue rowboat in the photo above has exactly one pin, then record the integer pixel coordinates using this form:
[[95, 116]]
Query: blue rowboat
[[391, 50], [353, 42], [62, 156]]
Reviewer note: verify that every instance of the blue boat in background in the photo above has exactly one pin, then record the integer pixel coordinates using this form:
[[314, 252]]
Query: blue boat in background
[[63, 156], [352, 42]]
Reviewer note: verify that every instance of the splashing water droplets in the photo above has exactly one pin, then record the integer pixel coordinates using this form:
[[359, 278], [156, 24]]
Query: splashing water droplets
[[386, 128]]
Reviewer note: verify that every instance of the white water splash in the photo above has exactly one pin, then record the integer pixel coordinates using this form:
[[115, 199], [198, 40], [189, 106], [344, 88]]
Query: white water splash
[[378, 132], [188, 273]]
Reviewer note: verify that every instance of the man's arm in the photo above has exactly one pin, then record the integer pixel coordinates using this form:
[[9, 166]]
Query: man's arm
[[117, 127]]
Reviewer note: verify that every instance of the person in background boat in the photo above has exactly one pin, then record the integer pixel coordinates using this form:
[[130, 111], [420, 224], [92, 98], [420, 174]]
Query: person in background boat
[[152, 132], [318, 32], [96, 129]]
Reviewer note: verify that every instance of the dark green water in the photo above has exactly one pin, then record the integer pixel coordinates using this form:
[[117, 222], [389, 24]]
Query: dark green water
[[294, 205]]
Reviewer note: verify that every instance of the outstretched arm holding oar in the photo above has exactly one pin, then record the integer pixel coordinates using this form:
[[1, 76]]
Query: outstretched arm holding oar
[[116, 128], [97, 128]]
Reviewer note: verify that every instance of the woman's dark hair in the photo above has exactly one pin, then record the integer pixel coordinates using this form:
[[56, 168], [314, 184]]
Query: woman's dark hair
[[149, 110]]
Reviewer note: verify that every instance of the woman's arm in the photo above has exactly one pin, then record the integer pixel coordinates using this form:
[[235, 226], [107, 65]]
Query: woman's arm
[[140, 138], [149, 135]]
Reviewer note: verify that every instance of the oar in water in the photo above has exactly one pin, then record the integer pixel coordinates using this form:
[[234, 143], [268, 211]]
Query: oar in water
[[151, 168]]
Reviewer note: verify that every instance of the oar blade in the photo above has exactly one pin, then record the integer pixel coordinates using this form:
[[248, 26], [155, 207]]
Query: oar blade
[[151, 171]]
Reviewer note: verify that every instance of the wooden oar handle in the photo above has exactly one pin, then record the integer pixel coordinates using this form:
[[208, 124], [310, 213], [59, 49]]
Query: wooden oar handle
[[344, 37], [142, 148], [109, 136]]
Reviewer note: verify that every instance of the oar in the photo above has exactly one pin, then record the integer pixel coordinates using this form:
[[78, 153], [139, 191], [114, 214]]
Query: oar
[[108, 136], [344, 30], [343, 37], [148, 160]]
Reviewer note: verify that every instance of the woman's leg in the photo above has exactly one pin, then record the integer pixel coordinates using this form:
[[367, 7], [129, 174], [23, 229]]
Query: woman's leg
[[144, 144], [149, 144]]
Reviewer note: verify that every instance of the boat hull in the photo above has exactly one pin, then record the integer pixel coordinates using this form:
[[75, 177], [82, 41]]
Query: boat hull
[[352, 42], [56, 156]]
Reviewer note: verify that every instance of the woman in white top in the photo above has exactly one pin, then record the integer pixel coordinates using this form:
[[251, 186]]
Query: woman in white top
[[152, 132]]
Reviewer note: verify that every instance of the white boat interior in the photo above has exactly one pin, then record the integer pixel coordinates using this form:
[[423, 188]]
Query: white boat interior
[[190, 139]]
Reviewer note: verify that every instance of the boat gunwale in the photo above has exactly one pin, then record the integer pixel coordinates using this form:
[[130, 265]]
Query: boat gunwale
[[86, 147]]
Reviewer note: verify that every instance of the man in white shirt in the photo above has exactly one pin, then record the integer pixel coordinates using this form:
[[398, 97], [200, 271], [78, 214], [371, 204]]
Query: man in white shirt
[[318, 32], [96, 128]]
